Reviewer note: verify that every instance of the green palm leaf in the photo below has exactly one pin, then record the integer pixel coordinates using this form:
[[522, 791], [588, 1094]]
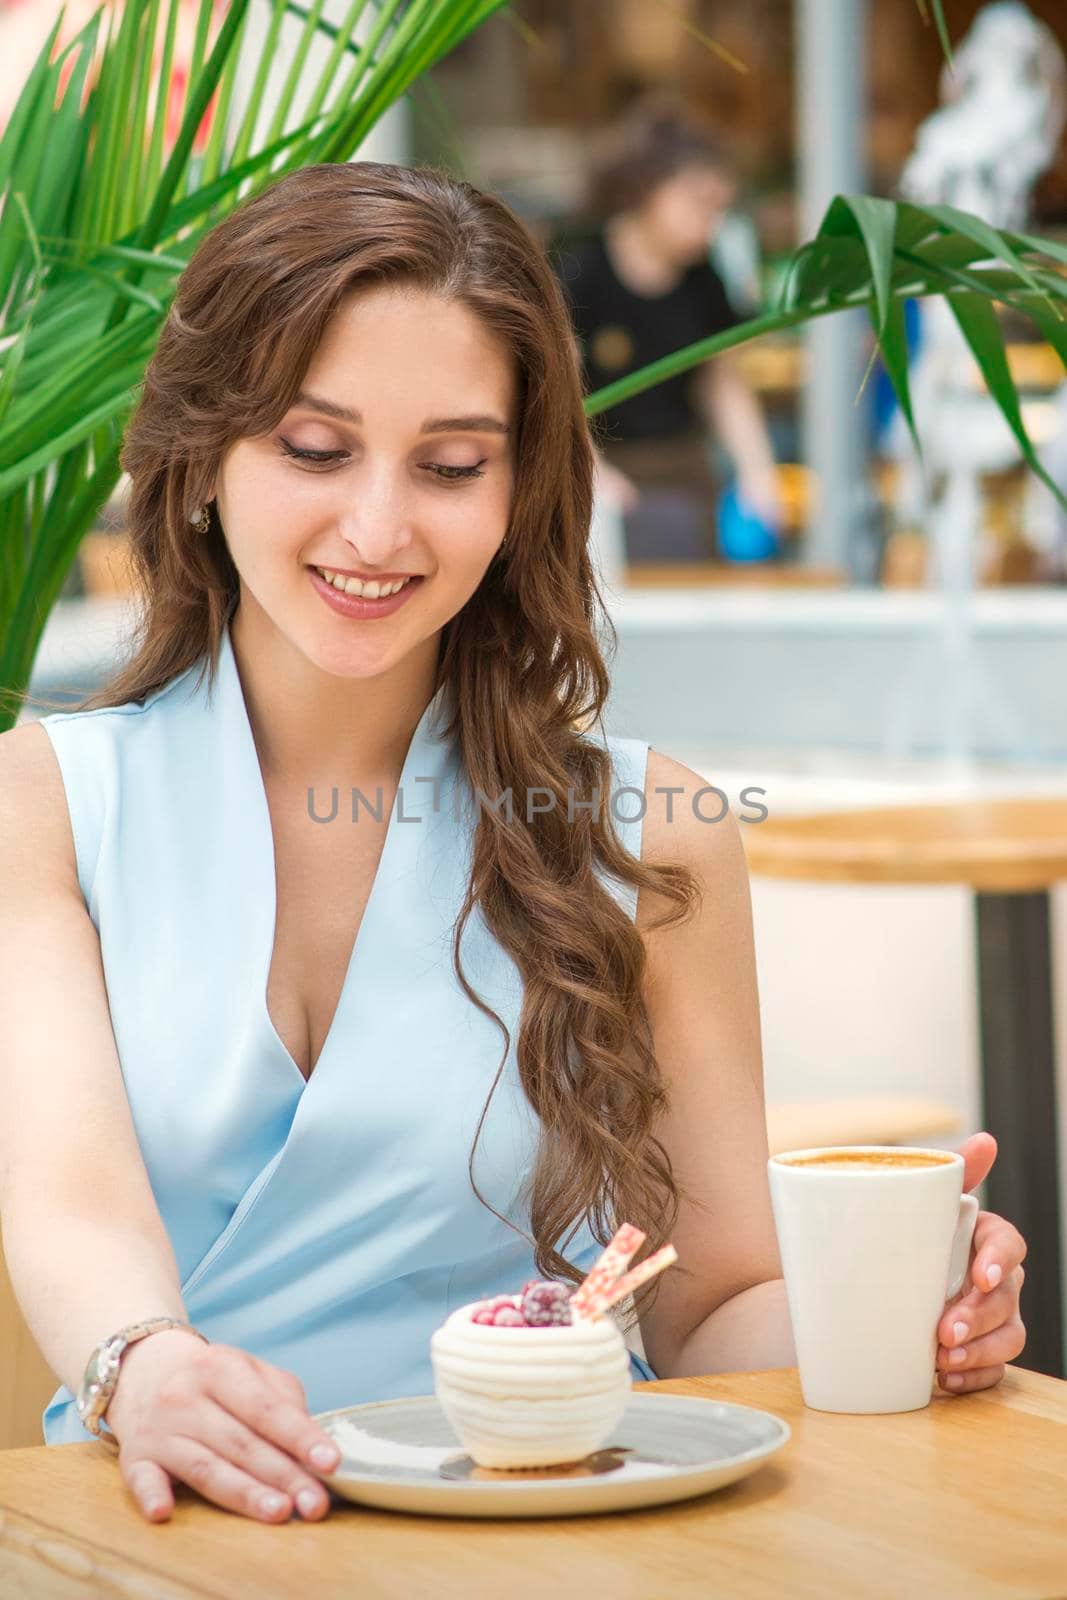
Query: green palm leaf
[[98, 222], [939, 22], [979, 326], [874, 253]]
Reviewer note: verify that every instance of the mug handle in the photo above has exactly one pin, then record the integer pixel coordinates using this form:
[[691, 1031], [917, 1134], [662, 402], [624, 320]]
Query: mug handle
[[960, 1257]]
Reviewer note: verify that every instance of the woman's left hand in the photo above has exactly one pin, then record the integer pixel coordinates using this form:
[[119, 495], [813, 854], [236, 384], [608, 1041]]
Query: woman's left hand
[[981, 1328]]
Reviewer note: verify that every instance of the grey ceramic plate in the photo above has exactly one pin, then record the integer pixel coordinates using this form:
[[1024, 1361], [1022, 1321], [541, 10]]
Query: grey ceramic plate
[[404, 1455]]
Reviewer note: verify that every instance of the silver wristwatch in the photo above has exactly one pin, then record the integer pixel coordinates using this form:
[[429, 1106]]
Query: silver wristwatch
[[102, 1369]]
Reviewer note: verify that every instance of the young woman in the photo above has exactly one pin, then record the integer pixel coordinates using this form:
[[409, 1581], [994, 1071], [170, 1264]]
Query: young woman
[[641, 286], [304, 1083]]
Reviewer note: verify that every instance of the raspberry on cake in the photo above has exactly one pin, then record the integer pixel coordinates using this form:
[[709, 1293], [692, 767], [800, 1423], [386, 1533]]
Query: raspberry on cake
[[541, 1304]]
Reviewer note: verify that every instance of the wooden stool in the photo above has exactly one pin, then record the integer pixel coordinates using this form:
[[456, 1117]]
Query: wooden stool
[[1008, 852]]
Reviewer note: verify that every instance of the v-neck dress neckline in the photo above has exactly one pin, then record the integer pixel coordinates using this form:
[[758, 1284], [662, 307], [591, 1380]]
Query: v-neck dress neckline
[[326, 1225], [408, 807]]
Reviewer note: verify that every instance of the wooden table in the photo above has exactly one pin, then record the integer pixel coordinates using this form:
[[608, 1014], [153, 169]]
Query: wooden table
[[1009, 852], [963, 1500]]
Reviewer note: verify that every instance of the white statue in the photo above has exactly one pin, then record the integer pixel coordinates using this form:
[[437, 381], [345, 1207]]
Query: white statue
[[1004, 103], [999, 127]]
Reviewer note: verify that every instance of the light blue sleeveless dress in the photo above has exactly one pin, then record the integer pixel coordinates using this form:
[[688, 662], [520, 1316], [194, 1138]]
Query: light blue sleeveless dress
[[326, 1225]]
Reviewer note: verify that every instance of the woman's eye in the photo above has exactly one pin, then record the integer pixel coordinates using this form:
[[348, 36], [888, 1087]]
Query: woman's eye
[[457, 474], [317, 458], [322, 458]]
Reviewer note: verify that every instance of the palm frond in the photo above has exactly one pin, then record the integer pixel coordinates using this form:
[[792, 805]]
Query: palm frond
[[876, 253], [936, 7], [98, 218]]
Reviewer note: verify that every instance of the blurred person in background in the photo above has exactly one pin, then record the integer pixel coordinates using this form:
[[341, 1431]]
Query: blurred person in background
[[642, 286]]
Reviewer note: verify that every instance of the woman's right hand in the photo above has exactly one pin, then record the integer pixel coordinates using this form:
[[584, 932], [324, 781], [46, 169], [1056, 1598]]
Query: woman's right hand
[[232, 1427]]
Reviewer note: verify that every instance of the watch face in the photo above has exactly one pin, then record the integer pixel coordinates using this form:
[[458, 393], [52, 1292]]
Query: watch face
[[101, 1365]]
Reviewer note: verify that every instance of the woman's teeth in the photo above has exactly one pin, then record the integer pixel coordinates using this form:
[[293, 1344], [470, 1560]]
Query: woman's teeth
[[372, 590]]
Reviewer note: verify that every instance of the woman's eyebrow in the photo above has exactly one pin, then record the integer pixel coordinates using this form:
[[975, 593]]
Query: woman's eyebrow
[[476, 423]]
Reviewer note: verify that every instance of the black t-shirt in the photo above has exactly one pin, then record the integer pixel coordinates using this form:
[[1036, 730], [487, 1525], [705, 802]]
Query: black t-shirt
[[620, 331]]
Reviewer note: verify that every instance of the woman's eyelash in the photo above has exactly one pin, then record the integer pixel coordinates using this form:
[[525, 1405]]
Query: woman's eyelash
[[320, 458]]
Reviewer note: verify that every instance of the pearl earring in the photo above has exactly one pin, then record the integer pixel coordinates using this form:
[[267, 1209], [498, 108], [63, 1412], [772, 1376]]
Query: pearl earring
[[201, 520]]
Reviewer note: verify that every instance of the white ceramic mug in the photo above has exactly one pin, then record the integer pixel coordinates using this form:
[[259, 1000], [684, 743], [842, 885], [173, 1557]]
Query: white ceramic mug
[[871, 1252]]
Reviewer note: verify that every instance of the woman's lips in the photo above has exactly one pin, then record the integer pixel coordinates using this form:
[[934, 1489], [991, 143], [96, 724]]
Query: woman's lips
[[352, 605]]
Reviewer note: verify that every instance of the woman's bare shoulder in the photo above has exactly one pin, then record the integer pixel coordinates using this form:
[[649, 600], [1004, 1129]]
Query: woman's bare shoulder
[[688, 821], [35, 831], [687, 816]]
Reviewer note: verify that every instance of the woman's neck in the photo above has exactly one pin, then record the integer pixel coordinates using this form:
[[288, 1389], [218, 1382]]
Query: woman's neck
[[311, 727], [636, 257]]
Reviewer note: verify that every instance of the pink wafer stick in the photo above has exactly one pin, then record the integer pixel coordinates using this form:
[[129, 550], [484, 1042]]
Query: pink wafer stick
[[640, 1274], [585, 1302]]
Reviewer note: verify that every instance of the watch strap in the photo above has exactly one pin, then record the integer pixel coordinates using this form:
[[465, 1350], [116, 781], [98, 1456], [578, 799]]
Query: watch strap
[[102, 1370]]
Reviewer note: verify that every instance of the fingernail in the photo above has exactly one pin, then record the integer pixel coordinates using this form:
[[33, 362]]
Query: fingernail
[[325, 1456], [308, 1502], [993, 1274], [270, 1503], [956, 1356], [955, 1380], [959, 1331]]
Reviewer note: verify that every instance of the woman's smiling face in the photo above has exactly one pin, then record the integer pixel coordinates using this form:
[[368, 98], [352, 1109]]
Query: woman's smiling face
[[407, 411]]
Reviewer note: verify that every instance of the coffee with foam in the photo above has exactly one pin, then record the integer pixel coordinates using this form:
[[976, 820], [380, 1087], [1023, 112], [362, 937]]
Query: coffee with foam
[[869, 1160]]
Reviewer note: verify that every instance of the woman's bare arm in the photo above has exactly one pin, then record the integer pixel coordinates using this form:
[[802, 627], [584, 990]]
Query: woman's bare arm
[[737, 420], [703, 1002], [85, 1245]]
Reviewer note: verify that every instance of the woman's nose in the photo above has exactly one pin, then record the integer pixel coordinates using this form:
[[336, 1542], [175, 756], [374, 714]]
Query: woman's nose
[[375, 518]]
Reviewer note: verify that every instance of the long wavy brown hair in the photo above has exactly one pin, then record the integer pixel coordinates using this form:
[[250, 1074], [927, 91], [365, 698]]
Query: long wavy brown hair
[[521, 658]]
